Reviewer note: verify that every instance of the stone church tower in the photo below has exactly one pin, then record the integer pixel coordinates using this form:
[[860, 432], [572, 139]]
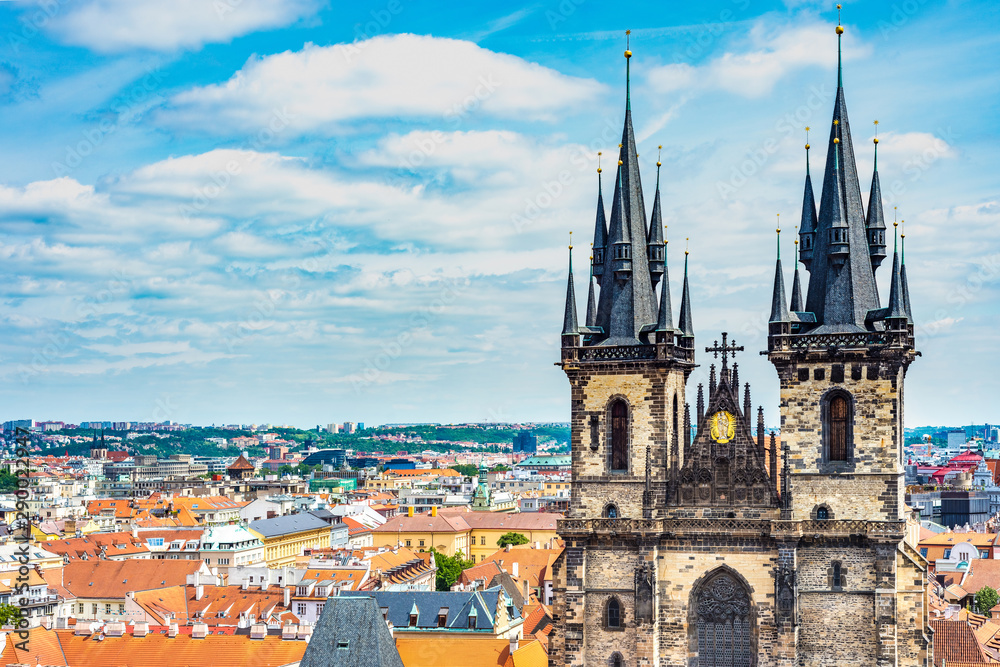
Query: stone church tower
[[715, 545]]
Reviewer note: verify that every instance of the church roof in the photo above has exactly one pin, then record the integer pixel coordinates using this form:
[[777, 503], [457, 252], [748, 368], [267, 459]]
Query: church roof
[[351, 633]]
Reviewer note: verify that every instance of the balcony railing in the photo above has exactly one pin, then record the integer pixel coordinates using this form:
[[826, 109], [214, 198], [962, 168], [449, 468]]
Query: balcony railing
[[740, 527]]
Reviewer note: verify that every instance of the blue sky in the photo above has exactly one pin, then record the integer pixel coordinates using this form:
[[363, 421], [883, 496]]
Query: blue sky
[[303, 212]]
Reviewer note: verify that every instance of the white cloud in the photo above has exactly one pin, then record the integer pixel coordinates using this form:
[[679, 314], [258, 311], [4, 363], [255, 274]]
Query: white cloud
[[109, 26], [320, 88], [770, 55]]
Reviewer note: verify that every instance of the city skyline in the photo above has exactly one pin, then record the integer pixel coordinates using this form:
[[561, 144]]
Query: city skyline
[[219, 234]]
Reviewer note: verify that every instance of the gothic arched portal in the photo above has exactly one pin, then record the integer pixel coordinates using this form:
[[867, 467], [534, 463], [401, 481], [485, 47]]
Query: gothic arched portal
[[723, 624]]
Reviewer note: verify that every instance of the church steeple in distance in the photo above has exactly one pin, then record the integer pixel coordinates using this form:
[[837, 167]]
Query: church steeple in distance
[[876, 219], [571, 327], [779, 306]]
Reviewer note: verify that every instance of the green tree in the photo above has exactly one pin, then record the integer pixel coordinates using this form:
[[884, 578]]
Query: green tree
[[513, 539], [9, 614], [466, 469], [500, 468], [986, 599], [8, 482], [285, 470], [449, 568]]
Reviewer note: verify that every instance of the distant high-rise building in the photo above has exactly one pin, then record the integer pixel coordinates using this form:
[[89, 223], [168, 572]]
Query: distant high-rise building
[[350, 427], [525, 442]]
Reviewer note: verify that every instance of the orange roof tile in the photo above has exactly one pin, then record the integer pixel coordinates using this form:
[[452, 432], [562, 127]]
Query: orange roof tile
[[115, 578], [63, 648], [452, 651]]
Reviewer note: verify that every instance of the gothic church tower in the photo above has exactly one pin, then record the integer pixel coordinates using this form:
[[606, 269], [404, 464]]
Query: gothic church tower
[[716, 545]]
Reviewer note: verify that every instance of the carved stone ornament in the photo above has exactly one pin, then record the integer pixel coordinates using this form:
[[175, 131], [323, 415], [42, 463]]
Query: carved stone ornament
[[723, 600], [644, 593]]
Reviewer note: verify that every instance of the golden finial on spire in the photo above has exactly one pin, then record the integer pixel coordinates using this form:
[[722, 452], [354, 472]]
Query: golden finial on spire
[[876, 132], [778, 230], [894, 212], [598, 163], [687, 244], [659, 150], [628, 54], [571, 240], [902, 230], [840, 28], [620, 163], [836, 140], [619, 145], [796, 241], [665, 241], [836, 122], [807, 137]]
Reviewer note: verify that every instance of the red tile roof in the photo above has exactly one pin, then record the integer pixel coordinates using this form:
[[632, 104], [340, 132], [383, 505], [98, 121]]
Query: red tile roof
[[955, 642], [115, 578]]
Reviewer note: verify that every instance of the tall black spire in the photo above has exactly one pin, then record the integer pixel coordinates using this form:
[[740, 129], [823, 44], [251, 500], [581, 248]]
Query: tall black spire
[[655, 245], [902, 274], [600, 230], [841, 283], [700, 405], [779, 306], [876, 220], [807, 225], [686, 326], [665, 316], [591, 302], [627, 304], [571, 327], [897, 305], [796, 304]]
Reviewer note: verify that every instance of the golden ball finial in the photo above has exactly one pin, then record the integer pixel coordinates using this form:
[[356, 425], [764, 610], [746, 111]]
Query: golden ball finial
[[620, 163], [836, 140], [875, 140], [840, 30], [807, 146], [895, 224], [660, 147], [628, 54], [659, 164], [598, 170]]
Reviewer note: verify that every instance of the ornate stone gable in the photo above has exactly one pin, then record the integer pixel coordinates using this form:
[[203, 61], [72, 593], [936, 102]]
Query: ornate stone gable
[[724, 465]]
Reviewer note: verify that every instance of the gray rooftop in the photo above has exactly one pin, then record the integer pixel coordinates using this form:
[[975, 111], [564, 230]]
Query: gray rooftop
[[351, 633], [292, 523]]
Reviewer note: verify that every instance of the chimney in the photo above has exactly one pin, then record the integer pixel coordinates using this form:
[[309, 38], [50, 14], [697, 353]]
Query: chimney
[[199, 630], [199, 592], [288, 597], [258, 631], [513, 643], [46, 622], [245, 585], [513, 569], [172, 630], [305, 632], [140, 629], [288, 631], [527, 593], [409, 511]]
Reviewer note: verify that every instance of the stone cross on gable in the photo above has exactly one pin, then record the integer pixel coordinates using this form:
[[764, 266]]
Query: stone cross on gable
[[725, 350]]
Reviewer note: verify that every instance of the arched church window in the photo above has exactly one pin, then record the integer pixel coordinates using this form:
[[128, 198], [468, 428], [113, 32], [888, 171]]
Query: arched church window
[[837, 574], [723, 623], [822, 514], [610, 511], [619, 436], [616, 660], [613, 614], [837, 427]]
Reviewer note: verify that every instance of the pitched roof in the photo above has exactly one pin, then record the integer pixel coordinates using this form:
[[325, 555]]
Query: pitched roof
[[955, 643], [511, 522], [240, 463], [452, 651], [460, 604], [351, 633], [291, 523], [115, 578], [114, 544], [442, 523]]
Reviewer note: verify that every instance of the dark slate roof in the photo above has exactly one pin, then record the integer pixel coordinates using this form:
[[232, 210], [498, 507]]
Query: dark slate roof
[[796, 304], [351, 633], [292, 523], [428, 604], [570, 323], [876, 218], [841, 295], [779, 305], [808, 221], [591, 302], [656, 221], [665, 319], [601, 223], [687, 328]]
